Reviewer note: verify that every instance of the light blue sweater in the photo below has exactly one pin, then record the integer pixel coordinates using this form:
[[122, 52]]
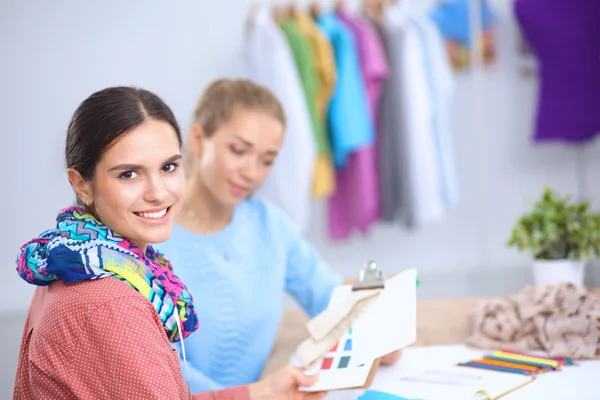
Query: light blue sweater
[[238, 278]]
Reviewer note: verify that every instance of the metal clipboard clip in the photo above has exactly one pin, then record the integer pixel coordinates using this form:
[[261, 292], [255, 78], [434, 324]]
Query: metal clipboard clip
[[370, 277]]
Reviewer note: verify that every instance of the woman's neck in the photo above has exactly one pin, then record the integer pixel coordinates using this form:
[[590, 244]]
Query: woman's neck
[[202, 213], [141, 245]]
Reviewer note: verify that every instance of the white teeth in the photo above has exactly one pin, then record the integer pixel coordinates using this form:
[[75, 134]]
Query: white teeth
[[153, 215]]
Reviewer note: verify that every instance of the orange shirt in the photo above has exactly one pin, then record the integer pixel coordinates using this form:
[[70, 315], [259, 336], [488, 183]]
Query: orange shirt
[[99, 339]]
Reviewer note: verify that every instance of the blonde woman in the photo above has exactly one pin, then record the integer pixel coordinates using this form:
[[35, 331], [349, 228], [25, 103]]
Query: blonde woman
[[238, 254]]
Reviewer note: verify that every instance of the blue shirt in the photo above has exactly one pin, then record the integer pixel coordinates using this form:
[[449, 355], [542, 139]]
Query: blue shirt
[[350, 123], [238, 278]]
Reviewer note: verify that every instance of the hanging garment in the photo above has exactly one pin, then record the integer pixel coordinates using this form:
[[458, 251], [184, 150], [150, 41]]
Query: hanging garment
[[410, 127], [356, 200], [453, 19], [324, 175], [323, 60], [350, 124], [440, 82], [565, 38], [388, 134], [269, 62]]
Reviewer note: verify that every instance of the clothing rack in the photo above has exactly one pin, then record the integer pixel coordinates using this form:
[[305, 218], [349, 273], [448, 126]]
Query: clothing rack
[[581, 173]]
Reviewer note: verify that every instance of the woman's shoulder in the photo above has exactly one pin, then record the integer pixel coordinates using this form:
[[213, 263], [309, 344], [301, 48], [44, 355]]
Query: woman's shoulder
[[266, 213], [88, 295], [63, 309]]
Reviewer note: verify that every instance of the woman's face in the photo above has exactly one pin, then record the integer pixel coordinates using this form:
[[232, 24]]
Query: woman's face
[[237, 158], [138, 184]]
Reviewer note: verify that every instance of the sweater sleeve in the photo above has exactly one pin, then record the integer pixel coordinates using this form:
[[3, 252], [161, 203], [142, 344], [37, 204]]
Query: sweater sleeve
[[309, 279], [123, 352]]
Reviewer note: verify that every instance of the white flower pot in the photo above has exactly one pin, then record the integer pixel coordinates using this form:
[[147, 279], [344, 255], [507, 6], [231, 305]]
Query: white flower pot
[[551, 272]]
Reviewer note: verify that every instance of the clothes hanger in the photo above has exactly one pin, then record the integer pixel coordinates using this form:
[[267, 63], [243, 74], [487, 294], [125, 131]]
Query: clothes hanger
[[315, 9], [254, 9], [292, 10], [374, 9], [279, 13]]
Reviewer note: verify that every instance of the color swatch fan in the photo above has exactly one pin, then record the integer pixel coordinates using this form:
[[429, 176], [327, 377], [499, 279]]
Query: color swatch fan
[[337, 369]]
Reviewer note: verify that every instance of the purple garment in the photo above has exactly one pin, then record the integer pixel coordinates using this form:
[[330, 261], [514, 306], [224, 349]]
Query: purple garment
[[371, 55], [564, 35], [355, 202]]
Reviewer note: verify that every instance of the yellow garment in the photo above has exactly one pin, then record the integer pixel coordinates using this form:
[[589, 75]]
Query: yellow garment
[[323, 59], [324, 66], [323, 183]]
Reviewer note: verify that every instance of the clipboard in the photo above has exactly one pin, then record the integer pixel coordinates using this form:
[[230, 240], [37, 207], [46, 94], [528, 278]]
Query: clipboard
[[348, 358]]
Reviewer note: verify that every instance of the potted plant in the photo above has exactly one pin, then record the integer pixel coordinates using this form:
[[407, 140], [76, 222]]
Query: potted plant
[[560, 235]]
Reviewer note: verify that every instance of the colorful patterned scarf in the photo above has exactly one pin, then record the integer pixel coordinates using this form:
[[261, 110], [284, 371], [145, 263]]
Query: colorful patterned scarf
[[81, 247]]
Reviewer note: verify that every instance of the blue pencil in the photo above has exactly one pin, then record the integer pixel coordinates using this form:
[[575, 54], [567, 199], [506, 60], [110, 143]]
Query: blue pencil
[[494, 368]]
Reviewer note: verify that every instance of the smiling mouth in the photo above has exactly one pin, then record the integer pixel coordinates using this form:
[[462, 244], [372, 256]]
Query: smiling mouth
[[153, 215], [239, 188]]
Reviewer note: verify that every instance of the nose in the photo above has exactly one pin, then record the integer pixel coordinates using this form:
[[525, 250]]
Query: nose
[[156, 190], [251, 170]]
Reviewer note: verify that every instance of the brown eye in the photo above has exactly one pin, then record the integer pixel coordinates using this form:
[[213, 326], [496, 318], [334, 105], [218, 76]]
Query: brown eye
[[170, 167], [237, 150], [128, 175]]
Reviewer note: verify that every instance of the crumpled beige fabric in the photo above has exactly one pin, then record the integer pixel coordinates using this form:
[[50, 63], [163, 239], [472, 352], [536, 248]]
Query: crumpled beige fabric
[[562, 319], [327, 328]]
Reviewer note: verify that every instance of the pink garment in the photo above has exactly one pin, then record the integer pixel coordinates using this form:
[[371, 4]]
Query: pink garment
[[371, 56], [355, 202]]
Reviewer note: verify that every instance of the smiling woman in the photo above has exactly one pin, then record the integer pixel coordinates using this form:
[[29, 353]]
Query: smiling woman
[[238, 253], [87, 337]]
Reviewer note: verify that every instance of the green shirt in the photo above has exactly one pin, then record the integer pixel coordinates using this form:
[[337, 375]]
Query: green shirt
[[303, 59]]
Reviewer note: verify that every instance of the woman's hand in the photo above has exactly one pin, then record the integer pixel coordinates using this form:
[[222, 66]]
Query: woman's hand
[[283, 385], [392, 358]]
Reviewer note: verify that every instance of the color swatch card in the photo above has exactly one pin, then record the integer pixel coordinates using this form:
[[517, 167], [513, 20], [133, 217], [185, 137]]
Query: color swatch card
[[338, 368], [387, 325]]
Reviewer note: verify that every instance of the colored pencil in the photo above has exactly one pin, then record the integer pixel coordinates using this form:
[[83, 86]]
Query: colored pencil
[[502, 363], [523, 362], [494, 368], [561, 361], [551, 363]]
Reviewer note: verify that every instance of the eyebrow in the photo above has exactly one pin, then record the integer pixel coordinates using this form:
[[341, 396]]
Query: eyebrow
[[128, 167], [251, 145]]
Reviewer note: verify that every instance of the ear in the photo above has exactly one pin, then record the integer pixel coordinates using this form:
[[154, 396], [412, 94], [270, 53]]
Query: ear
[[196, 139], [82, 187]]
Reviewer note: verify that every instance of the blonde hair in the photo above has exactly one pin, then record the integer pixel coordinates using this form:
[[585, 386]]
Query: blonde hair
[[223, 98]]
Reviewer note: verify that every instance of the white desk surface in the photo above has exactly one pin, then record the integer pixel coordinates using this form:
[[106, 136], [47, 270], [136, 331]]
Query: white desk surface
[[577, 382]]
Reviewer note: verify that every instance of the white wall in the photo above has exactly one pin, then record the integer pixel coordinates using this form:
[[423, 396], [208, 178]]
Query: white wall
[[54, 54]]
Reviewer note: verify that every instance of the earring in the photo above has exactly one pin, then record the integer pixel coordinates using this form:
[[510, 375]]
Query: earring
[[87, 203]]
